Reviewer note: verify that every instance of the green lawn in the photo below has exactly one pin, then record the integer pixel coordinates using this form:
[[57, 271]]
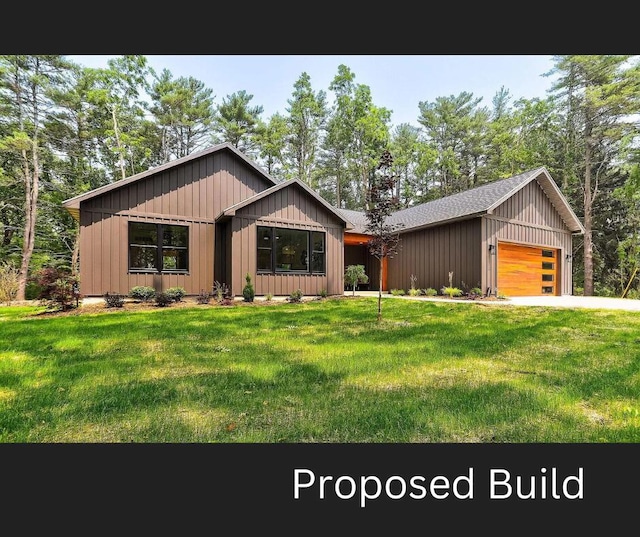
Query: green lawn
[[322, 371]]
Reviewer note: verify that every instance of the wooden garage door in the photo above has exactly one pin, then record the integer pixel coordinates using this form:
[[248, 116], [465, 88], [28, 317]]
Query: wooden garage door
[[526, 270]]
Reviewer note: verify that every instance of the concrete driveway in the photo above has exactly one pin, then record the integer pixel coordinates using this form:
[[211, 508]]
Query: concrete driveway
[[567, 301]]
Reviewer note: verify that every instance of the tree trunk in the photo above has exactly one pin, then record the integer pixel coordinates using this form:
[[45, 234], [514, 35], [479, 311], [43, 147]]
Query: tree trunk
[[31, 180], [75, 266], [380, 290], [588, 223]]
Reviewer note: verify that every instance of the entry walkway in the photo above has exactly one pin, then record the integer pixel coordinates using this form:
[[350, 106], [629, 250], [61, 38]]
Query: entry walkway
[[567, 301]]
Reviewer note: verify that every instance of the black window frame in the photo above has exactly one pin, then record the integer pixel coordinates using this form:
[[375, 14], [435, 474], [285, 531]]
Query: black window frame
[[159, 247], [271, 231]]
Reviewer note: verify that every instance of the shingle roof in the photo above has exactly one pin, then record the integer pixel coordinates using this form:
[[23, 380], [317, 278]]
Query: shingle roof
[[473, 202]]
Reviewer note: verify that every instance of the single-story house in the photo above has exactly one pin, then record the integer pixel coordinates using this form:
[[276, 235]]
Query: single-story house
[[215, 216], [511, 237], [212, 216]]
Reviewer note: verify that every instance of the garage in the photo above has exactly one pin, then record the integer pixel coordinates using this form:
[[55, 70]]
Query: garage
[[527, 270]]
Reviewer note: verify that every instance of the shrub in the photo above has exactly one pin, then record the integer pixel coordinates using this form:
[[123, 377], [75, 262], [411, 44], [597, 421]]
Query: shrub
[[248, 292], [58, 288], [430, 291], [295, 296], [9, 281], [476, 291], [415, 292], [203, 297], [397, 292], [268, 296], [176, 293], [142, 293], [220, 291], [451, 291], [163, 299], [113, 300], [323, 293]]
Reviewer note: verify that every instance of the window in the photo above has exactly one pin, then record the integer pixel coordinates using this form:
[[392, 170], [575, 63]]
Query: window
[[287, 250], [547, 277], [158, 247], [547, 253], [547, 266], [547, 290]]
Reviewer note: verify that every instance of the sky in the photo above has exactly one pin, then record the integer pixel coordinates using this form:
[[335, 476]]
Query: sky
[[397, 82]]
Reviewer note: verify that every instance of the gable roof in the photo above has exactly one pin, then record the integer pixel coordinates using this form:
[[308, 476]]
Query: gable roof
[[231, 211], [73, 204], [474, 202]]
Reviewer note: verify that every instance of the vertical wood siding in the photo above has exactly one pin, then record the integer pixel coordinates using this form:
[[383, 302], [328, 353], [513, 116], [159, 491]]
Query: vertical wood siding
[[295, 209], [193, 194], [431, 253]]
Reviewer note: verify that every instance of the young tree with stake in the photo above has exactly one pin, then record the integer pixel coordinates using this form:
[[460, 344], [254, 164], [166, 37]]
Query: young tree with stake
[[381, 203]]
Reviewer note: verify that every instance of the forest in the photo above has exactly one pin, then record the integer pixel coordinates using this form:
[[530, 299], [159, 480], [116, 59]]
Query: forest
[[66, 129]]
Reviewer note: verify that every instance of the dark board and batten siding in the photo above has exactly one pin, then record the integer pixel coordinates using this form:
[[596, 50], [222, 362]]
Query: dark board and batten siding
[[431, 253], [292, 208], [191, 194], [528, 218]]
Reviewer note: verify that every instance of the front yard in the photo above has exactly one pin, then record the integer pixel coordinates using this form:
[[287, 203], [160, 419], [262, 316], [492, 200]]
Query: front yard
[[320, 371]]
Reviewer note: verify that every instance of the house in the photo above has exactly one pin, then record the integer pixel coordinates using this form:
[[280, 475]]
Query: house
[[511, 237], [212, 216]]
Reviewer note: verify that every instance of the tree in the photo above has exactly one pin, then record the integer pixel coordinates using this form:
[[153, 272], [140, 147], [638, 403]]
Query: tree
[[353, 275], [307, 116], [454, 126], [601, 94], [271, 141], [183, 111], [236, 122], [381, 203], [25, 83]]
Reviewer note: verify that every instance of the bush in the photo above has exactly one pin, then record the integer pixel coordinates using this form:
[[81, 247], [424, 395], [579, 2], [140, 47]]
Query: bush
[[176, 293], [476, 291], [295, 296], [9, 281], [430, 291], [248, 291], [203, 297], [397, 292], [58, 288], [142, 293], [163, 299], [221, 291], [268, 296], [323, 293], [113, 300], [415, 292], [451, 291]]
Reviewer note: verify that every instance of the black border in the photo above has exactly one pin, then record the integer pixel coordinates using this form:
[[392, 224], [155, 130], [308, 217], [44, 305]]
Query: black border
[[249, 487]]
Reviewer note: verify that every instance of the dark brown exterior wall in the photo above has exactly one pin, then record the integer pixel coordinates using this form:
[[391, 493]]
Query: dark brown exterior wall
[[528, 218], [293, 208], [192, 194], [431, 253]]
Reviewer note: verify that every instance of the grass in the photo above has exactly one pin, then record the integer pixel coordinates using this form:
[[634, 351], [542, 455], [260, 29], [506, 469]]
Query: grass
[[323, 371]]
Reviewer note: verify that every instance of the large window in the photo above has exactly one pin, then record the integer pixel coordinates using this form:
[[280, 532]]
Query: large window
[[158, 247], [290, 250]]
